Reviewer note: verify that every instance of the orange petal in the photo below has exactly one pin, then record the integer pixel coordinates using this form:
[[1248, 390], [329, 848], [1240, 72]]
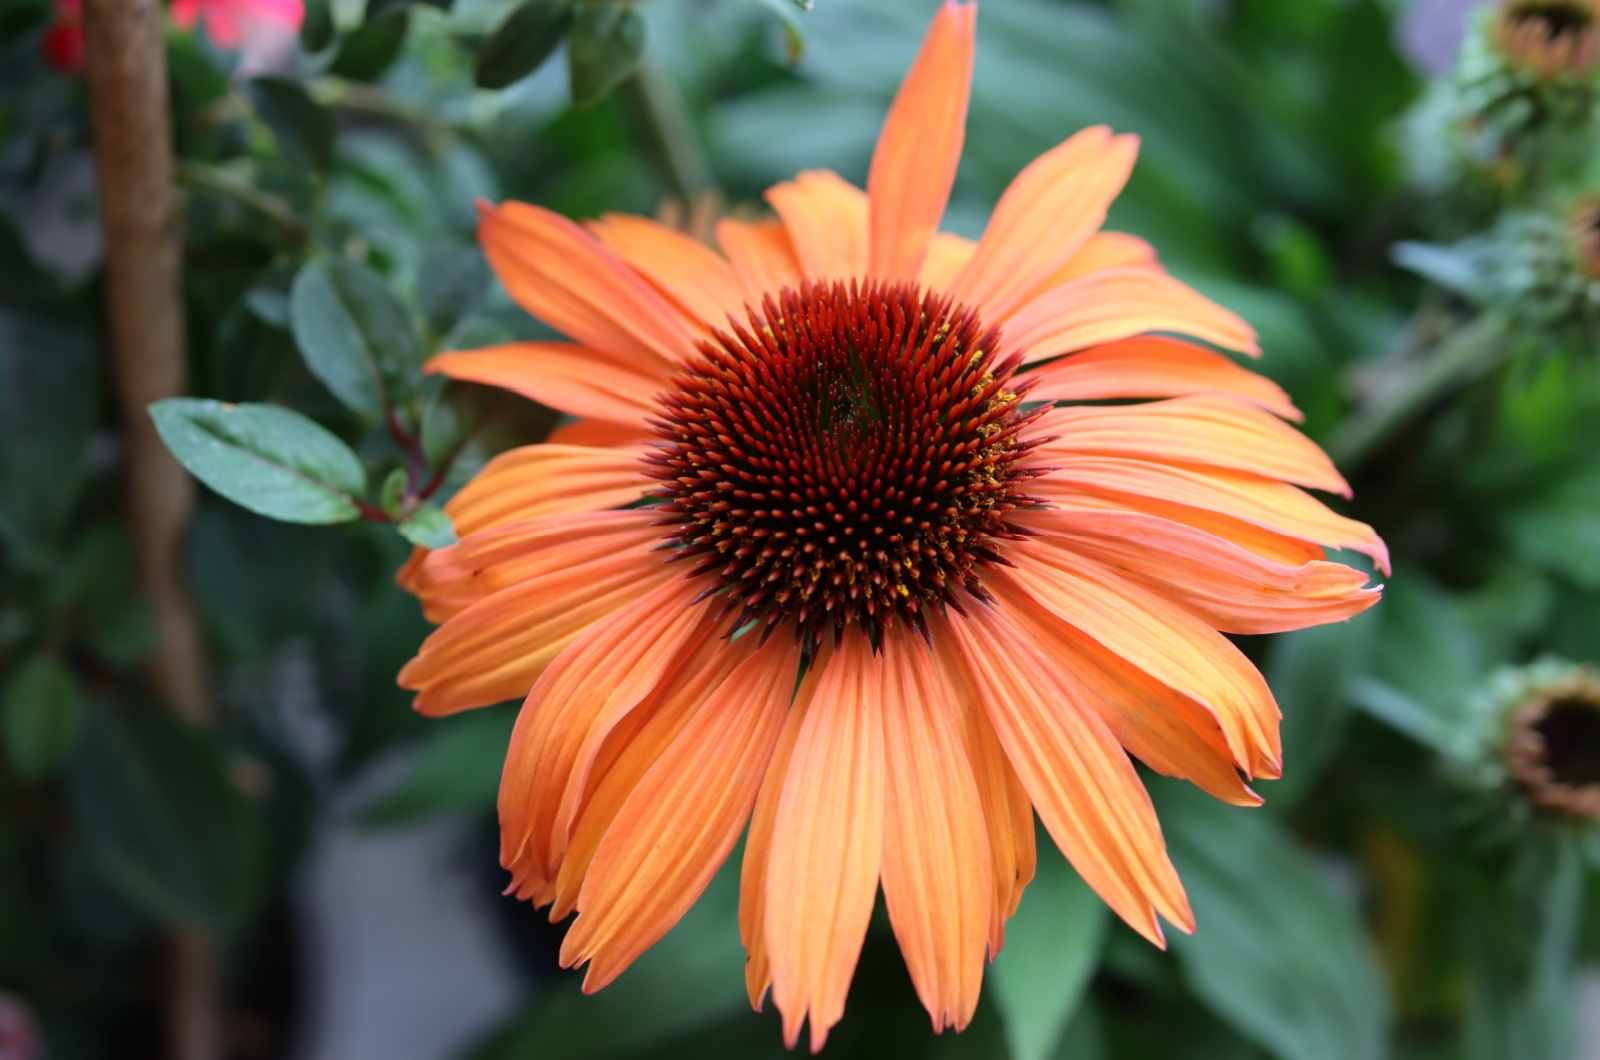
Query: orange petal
[[1048, 213], [1162, 639], [1007, 811], [937, 874], [1116, 304], [688, 272], [761, 254], [919, 148], [1266, 503], [758, 843], [601, 434], [1085, 789], [826, 218], [827, 844], [548, 479], [1104, 250], [948, 254], [559, 375], [1201, 429], [452, 579], [629, 752], [683, 819], [567, 278], [1230, 587], [590, 687], [1153, 367], [497, 648], [1165, 729]]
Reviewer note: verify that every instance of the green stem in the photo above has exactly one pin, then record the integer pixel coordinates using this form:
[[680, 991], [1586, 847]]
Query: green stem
[[1464, 356], [372, 101], [205, 177], [664, 120]]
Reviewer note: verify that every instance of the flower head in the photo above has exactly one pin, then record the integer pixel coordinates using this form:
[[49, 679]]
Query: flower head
[[1584, 229], [63, 41], [845, 548], [258, 28], [1549, 38], [1553, 745]]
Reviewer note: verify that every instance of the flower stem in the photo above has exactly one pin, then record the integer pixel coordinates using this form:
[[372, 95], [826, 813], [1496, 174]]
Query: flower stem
[[1467, 354], [669, 134], [127, 75]]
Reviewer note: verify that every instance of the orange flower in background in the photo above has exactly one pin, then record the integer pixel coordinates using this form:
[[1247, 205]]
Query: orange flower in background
[[844, 547]]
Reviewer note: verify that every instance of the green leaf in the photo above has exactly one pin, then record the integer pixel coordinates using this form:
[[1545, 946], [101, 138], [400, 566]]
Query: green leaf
[[42, 713], [49, 396], [377, 9], [1560, 528], [689, 981], [522, 43], [272, 461], [393, 490], [787, 13], [1520, 989], [162, 822], [1276, 952], [453, 282], [605, 46], [303, 128], [316, 31], [1052, 945], [428, 527], [1311, 672], [366, 53], [356, 336], [457, 769]]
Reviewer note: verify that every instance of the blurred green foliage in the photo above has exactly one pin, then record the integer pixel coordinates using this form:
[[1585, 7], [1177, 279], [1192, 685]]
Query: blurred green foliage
[[328, 220]]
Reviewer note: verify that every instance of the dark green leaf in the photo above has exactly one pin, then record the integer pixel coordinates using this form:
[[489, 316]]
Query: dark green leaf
[[604, 47], [304, 129], [376, 9], [457, 769], [1052, 945], [1520, 964], [273, 461], [42, 712], [366, 53], [522, 43], [161, 820], [48, 400], [690, 980], [429, 528], [1560, 528], [316, 31], [1276, 952], [453, 282], [356, 336], [1311, 672]]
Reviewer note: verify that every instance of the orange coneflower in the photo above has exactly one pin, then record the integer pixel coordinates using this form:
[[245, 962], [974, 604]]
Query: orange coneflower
[[844, 546]]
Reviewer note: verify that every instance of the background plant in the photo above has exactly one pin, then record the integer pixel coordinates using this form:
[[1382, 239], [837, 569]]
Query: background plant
[[1397, 896]]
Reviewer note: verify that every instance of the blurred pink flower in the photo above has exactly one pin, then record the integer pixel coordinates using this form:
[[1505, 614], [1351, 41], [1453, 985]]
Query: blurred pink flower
[[19, 1037], [240, 25]]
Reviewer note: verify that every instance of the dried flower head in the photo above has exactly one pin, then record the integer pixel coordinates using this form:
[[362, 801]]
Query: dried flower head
[[1549, 38], [1584, 229], [1553, 745]]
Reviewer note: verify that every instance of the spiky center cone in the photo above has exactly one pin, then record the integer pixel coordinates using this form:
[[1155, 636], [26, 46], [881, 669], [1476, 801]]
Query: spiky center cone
[[849, 457], [1554, 748], [1550, 37]]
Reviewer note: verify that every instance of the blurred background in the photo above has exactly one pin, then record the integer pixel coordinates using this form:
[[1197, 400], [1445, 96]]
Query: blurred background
[[256, 850]]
